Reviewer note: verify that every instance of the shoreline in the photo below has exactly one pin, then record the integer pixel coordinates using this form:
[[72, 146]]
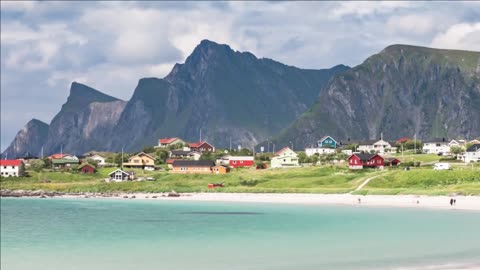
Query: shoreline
[[471, 203]]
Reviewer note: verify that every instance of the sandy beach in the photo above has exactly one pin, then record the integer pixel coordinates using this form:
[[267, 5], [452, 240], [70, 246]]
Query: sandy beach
[[412, 201]]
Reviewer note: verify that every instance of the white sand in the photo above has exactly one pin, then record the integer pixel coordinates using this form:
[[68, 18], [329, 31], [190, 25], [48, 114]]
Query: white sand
[[412, 201]]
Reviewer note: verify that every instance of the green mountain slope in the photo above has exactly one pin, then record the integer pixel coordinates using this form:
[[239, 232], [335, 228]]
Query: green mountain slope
[[400, 91]]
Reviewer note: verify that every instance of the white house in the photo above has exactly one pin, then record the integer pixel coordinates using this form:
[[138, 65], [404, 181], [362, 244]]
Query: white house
[[12, 168], [379, 146], [99, 159], [321, 151], [436, 146], [119, 175], [285, 158], [472, 154]]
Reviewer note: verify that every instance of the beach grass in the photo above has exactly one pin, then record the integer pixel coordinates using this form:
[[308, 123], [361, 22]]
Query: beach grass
[[326, 179]]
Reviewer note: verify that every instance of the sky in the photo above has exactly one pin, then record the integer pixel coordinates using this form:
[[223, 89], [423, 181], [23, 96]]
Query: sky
[[45, 46]]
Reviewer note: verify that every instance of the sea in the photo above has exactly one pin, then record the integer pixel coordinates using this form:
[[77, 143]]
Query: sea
[[117, 234]]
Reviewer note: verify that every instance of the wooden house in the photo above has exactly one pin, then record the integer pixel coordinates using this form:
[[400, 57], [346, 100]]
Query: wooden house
[[142, 161], [192, 166], [220, 169], [361, 161], [201, 147], [285, 158], [86, 168], [167, 142]]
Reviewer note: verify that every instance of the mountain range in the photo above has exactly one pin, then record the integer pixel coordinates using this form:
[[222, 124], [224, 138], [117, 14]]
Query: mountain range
[[224, 96], [219, 94]]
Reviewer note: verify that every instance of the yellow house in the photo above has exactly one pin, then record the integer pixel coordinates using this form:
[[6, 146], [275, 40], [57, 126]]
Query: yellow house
[[141, 160]]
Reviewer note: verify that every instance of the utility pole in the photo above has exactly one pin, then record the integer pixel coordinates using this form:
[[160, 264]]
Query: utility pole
[[42, 152], [121, 166], [415, 142], [268, 146], [273, 151], [230, 143], [61, 150], [200, 134]]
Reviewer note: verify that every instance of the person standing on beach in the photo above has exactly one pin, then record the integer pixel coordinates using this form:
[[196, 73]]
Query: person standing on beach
[[359, 201], [451, 201]]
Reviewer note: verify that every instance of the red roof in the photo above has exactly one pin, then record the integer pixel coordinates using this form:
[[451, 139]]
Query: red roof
[[10, 162], [281, 150], [170, 161], [57, 156], [401, 140], [195, 144], [167, 140]]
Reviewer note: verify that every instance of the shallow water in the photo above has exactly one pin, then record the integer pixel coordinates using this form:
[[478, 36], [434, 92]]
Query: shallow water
[[135, 234]]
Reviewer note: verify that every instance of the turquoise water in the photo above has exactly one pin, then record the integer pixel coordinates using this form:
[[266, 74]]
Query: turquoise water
[[134, 234]]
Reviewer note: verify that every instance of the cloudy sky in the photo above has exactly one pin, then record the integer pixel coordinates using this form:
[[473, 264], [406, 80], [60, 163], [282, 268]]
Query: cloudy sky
[[110, 46]]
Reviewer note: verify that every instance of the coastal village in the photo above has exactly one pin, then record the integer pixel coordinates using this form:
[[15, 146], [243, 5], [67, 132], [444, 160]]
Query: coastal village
[[177, 156]]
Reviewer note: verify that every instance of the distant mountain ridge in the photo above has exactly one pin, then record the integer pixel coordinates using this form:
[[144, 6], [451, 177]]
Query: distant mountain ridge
[[217, 91], [400, 91]]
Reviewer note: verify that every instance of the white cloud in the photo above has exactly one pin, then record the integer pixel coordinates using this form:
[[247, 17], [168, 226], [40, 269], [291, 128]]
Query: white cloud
[[18, 5], [364, 8], [462, 36], [411, 24]]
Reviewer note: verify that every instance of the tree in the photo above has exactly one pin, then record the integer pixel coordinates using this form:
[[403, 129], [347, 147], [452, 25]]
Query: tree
[[161, 156], [303, 158], [37, 165], [148, 149], [314, 158], [456, 150]]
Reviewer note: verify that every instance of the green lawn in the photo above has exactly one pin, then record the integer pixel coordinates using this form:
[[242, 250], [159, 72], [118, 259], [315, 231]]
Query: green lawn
[[320, 179], [461, 180], [417, 157], [324, 179]]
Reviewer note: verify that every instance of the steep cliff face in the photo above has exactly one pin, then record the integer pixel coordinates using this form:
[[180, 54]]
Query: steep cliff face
[[223, 94], [85, 121], [401, 91], [28, 140], [217, 91]]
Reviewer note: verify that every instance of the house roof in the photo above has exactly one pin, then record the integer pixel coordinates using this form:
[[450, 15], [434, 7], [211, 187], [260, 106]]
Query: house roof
[[392, 159], [28, 155], [279, 152], [198, 144], [170, 160], [123, 172], [367, 142], [180, 152], [327, 136], [64, 161], [224, 166], [474, 141], [402, 140], [168, 140], [193, 163], [10, 162], [474, 148], [364, 157], [142, 153], [437, 140], [57, 156], [86, 165]]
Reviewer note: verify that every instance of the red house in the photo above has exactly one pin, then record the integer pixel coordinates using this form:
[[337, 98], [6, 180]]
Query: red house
[[87, 168], [236, 161], [201, 147], [360, 161]]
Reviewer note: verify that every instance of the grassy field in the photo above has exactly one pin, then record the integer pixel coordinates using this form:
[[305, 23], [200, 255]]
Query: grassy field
[[320, 179], [463, 180], [423, 158], [325, 179]]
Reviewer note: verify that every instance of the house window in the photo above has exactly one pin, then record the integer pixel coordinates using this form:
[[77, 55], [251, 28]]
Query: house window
[[284, 160], [234, 162], [379, 161]]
